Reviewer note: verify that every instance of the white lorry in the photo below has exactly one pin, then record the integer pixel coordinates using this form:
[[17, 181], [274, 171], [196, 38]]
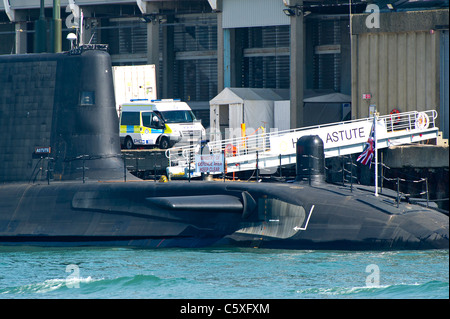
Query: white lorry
[[158, 122], [134, 82]]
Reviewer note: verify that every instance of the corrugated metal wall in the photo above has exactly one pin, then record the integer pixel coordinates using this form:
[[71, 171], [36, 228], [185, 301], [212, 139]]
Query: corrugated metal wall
[[266, 57], [400, 70], [327, 64], [195, 69], [126, 36]]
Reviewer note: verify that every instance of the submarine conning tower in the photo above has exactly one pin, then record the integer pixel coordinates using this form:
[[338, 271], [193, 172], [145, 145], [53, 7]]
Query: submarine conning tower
[[310, 165], [58, 115]]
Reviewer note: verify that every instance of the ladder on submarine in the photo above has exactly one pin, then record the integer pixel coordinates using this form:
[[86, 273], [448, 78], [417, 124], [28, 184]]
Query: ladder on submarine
[[274, 149]]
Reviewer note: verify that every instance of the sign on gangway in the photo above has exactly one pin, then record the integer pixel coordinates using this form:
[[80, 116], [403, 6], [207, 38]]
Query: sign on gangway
[[211, 163]]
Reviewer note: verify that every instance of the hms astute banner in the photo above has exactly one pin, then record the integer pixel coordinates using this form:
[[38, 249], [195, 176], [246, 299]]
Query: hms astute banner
[[332, 136]]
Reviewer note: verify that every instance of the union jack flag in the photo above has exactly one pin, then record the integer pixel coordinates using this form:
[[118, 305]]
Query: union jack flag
[[369, 149]]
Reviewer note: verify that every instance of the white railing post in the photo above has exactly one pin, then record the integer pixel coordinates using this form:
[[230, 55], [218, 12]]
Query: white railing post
[[398, 131]]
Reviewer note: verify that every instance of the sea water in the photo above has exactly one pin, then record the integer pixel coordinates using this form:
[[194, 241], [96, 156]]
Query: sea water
[[221, 273]]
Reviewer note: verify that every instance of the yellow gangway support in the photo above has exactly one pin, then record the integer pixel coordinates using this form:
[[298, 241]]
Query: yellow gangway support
[[243, 134]]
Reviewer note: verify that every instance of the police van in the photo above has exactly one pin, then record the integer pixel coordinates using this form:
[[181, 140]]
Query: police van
[[158, 122]]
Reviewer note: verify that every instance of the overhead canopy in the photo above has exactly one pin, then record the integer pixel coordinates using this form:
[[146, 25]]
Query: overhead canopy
[[329, 98], [270, 108], [252, 106], [239, 95], [235, 13], [326, 108]]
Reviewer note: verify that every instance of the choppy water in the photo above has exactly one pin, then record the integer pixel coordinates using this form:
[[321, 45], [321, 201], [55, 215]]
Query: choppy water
[[221, 273]]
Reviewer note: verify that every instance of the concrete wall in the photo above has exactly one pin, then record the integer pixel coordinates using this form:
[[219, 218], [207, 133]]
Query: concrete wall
[[398, 63], [417, 156], [28, 4], [416, 162]]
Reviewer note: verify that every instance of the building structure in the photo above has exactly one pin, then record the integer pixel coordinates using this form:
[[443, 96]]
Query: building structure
[[402, 64], [398, 51]]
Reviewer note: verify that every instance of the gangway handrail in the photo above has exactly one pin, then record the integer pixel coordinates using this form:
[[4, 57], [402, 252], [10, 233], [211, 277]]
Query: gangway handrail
[[399, 123]]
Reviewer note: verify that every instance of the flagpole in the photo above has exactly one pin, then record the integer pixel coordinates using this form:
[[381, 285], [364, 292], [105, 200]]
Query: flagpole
[[375, 150]]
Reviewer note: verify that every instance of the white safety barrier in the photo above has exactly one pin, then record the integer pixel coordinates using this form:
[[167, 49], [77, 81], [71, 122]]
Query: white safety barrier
[[267, 150]]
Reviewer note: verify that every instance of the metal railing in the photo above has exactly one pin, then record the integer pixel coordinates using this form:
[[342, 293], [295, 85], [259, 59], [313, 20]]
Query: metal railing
[[245, 149], [409, 120]]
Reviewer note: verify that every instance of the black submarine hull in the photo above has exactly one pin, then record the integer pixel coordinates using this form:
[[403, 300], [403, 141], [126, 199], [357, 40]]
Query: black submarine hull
[[64, 104], [330, 217], [137, 214], [199, 214]]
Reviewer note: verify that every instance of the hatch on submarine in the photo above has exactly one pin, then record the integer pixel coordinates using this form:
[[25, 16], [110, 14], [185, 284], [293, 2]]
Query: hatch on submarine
[[64, 102]]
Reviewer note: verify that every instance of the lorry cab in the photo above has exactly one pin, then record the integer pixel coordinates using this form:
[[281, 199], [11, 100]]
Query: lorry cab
[[159, 122]]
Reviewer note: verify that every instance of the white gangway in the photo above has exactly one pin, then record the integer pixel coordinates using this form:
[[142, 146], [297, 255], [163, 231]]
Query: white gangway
[[268, 150]]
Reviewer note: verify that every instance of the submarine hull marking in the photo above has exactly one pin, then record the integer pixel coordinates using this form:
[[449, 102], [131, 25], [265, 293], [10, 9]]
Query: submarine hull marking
[[307, 220]]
